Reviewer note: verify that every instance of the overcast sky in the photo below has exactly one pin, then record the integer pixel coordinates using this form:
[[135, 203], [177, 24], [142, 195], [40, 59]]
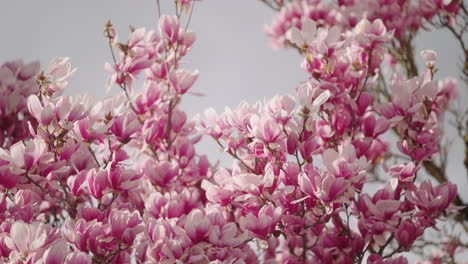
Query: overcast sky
[[232, 52]]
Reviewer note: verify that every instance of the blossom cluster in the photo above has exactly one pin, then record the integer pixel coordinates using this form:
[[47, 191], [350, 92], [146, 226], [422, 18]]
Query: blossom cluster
[[302, 161], [108, 181], [404, 17], [17, 82], [119, 180]]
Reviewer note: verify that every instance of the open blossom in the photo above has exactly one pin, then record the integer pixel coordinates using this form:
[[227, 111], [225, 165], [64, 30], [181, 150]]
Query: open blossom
[[252, 183], [407, 233], [370, 34], [56, 253], [404, 172], [344, 163], [197, 225], [432, 200], [60, 70], [27, 157], [305, 36], [121, 179], [382, 209], [182, 80], [161, 173], [263, 222], [124, 224], [306, 94], [264, 129], [97, 182], [60, 112], [43, 115], [281, 108], [222, 192], [25, 240], [78, 258], [124, 127], [210, 123], [326, 188]]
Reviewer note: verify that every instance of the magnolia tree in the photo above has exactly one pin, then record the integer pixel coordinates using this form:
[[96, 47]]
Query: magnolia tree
[[350, 168]]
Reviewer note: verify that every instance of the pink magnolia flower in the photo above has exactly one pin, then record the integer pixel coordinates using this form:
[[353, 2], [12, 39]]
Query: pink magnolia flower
[[363, 102], [226, 235], [185, 153], [56, 253], [222, 192], [78, 258], [68, 112], [326, 41], [253, 183], [125, 126], [178, 121], [43, 115], [182, 80], [125, 71], [292, 143], [309, 148], [382, 209], [87, 236], [345, 163], [26, 239], [370, 34], [264, 129], [240, 117], [186, 40], [404, 172], [325, 187], [305, 36], [281, 108], [172, 204], [121, 179], [143, 43], [312, 98], [407, 96], [430, 200], [157, 72], [76, 183], [8, 179], [169, 242], [125, 225], [97, 182], [169, 29], [197, 226], [376, 259], [262, 223], [210, 123], [160, 173], [407, 232], [27, 157], [373, 127], [59, 71], [447, 92], [187, 3]]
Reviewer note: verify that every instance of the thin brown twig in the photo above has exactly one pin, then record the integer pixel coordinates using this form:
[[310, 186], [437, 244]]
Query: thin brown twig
[[270, 5], [234, 155], [45, 191]]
